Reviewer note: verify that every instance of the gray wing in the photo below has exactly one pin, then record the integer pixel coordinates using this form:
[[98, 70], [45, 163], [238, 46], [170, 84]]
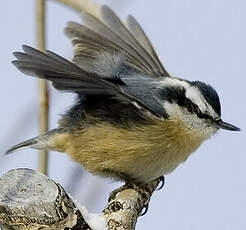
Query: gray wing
[[110, 35], [121, 82], [142, 38]]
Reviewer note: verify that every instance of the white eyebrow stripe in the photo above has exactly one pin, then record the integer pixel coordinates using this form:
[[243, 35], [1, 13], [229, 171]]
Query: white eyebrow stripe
[[172, 82]]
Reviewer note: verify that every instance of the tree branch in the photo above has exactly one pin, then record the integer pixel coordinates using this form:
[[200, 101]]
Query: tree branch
[[129, 200], [29, 200]]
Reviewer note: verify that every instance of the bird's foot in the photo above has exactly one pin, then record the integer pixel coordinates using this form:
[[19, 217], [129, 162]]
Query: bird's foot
[[145, 195], [146, 205]]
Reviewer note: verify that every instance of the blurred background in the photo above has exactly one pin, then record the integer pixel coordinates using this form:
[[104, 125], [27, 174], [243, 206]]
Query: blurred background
[[196, 40]]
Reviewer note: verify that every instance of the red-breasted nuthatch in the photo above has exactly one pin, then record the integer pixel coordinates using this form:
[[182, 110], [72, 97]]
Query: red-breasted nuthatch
[[132, 120]]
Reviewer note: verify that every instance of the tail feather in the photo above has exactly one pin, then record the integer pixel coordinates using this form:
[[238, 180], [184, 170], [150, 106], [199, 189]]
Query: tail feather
[[31, 143], [39, 142]]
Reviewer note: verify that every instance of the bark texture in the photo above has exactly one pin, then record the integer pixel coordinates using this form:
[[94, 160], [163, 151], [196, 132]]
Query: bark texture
[[30, 201], [126, 205]]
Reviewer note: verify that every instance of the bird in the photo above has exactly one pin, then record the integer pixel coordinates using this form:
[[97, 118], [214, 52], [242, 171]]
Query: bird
[[132, 120]]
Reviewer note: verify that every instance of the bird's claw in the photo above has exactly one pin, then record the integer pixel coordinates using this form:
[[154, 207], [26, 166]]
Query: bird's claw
[[145, 208], [162, 183]]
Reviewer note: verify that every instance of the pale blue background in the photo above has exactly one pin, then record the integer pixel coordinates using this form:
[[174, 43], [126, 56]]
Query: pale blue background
[[195, 39]]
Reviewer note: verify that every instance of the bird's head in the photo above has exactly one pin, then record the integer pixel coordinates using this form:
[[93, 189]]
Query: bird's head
[[196, 104]]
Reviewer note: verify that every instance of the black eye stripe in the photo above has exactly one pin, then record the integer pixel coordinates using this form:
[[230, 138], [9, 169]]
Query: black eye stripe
[[193, 108], [198, 112], [177, 95]]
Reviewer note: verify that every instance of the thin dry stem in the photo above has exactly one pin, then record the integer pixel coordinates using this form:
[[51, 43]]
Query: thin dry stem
[[83, 6], [43, 95]]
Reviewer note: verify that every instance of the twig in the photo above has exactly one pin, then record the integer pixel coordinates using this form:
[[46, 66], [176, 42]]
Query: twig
[[82, 6], [43, 94]]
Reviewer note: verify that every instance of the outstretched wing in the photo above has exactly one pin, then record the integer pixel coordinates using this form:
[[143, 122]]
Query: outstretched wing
[[110, 35], [110, 61], [121, 81]]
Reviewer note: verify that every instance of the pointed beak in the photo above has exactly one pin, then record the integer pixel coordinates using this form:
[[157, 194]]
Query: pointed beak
[[227, 126]]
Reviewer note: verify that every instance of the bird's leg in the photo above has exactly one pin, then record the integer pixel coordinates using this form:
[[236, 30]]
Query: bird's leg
[[143, 192]]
